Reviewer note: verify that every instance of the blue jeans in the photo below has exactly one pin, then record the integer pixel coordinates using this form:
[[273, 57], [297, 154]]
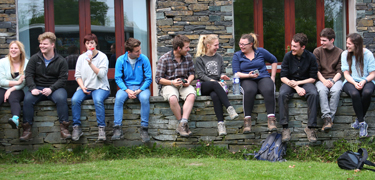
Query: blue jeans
[[98, 96], [143, 97], [59, 97]]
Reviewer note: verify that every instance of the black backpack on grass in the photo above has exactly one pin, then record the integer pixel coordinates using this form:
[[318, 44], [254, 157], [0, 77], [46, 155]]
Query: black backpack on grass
[[354, 160], [273, 149]]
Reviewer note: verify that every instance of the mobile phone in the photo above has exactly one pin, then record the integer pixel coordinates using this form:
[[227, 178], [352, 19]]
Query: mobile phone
[[183, 80]]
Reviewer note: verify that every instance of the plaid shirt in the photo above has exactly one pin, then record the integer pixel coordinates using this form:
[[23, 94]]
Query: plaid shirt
[[168, 68]]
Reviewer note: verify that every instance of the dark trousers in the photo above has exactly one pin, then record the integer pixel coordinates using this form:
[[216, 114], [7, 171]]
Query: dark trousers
[[14, 100], [59, 97], [286, 92], [218, 96], [250, 89], [361, 98]]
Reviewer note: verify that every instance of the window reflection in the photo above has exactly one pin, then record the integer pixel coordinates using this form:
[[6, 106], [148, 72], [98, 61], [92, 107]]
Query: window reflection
[[335, 19]]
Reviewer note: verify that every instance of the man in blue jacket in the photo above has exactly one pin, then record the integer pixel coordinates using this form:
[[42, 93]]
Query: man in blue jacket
[[133, 77]]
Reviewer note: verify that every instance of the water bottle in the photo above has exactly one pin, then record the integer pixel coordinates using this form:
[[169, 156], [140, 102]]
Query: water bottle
[[198, 86], [89, 54], [236, 84], [225, 87]]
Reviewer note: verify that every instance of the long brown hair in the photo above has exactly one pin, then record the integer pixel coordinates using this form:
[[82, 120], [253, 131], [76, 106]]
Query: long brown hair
[[357, 40], [22, 57]]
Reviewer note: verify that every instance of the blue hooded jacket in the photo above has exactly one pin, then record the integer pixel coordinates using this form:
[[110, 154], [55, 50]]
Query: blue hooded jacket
[[125, 75]]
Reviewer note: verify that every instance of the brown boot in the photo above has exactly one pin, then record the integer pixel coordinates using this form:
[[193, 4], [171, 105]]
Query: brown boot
[[247, 125], [64, 130], [272, 123], [285, 134], [181, 129], [327, 124], [26, 135], [188, 130]]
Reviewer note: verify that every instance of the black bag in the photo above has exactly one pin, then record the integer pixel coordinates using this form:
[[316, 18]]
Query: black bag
[[354, 160], [273, 149]]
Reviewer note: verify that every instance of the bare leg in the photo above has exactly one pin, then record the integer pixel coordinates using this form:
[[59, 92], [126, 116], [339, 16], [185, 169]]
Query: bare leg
[[175, 107], [188, 106]]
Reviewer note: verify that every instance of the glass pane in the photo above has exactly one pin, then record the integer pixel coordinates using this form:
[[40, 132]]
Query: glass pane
[[243, 19], [30, 24], [335, 19], [305, 14], [136, 22], [273, 27]]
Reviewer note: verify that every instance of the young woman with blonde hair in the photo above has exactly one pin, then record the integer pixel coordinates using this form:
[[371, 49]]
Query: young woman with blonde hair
[[12, 80], [210, 69]]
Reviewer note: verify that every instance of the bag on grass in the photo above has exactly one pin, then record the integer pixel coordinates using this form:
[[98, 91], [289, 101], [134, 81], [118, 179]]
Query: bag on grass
[[272, 149], [354, 160]]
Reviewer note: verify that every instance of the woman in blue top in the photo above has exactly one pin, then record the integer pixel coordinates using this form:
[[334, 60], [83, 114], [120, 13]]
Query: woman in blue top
[[12, 80], [250, 66], [358, 65]]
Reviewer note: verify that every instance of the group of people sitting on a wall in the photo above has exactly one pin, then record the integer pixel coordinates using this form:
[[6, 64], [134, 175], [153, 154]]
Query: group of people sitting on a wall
[[45, 74]]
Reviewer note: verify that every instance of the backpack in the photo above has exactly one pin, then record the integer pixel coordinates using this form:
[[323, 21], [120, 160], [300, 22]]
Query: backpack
[[273, 149], [354, 160]]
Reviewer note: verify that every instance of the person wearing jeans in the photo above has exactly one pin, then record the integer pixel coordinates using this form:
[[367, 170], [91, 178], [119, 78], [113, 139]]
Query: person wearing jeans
[[358, 65], [133, 76], [91, 76], [46, 75]]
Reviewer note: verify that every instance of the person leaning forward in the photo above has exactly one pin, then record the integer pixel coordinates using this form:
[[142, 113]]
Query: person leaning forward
[[46, 75], [298, 73], [175, 72]]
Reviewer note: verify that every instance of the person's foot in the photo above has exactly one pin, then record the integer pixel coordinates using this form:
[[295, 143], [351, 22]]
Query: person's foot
[[65, 134], [232, 112], [246, 125], [272, 123], [221, 128], [311, 134], [77, 132], [285, 135], [101, 136], [26, 134], [181, 129], [144, 134], [187, 129], [14, 122], [363, 129], [327, 124], [355, 124], [117, 133]]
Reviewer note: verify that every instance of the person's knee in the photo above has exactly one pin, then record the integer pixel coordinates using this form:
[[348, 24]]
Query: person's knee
[[144, 98], [173, 100], [190, 97]]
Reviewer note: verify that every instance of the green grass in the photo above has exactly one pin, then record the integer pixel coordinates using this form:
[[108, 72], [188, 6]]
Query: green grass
[[180, 168]]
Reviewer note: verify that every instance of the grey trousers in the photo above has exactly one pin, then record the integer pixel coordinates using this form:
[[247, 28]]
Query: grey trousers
[[329, 98]]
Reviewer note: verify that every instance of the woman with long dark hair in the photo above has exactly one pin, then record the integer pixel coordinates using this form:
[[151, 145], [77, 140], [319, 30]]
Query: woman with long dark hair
[[358, 65]]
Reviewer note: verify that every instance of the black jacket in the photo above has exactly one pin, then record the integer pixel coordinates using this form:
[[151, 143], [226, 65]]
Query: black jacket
[[53, 76]]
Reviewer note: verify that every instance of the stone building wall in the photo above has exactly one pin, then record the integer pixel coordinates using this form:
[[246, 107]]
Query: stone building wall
[[365, 22], [7, 25], [162, 125]]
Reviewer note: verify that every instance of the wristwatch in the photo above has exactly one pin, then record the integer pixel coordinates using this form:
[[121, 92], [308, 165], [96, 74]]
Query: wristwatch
[[333, 81]]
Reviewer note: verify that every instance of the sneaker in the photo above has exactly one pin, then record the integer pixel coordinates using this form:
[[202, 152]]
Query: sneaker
[[285, 134], [363, 129], [355, 125], [102, 136], [117, 133], [144, 134], [14, 122], [221, 129], [311, 134], [77, 133], [232, 112]]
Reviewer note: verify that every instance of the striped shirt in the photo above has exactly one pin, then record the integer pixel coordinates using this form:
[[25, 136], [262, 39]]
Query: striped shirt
[[168, 68]]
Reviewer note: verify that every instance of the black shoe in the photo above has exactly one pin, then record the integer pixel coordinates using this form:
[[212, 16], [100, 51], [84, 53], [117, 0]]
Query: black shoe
[[144, 134]]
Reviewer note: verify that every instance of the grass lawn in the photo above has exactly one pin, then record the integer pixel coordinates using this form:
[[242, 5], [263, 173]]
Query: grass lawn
[[180, 168]]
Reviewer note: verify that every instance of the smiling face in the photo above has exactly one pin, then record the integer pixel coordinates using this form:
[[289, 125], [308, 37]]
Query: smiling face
[[14, 51], [245, 45], [46, 46], [326, 43], [350, 45], [212, 48], [297, 49], [135, 53], [184, 50]]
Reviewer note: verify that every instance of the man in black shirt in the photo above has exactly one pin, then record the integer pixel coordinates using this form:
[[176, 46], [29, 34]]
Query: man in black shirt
[[298, 73]]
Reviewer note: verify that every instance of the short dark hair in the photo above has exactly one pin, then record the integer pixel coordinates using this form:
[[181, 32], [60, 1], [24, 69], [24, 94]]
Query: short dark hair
[[300, 38], [90, 37], [179, 41], [131, 43], [328, 33]]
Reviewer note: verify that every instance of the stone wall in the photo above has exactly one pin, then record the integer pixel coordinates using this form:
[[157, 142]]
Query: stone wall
[[365, 22], [162, 125], [7, 25]]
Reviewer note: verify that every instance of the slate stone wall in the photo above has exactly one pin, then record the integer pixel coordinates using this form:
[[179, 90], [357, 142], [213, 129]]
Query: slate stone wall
[[162, 125], [365, 22], [7, 25]]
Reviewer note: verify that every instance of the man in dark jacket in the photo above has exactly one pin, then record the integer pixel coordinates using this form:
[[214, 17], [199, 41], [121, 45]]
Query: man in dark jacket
[[46, 75]]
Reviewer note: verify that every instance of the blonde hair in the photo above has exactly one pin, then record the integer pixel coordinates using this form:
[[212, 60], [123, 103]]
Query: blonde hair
[[47, 35], [202, 44], [252, 38], [21, 47]]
